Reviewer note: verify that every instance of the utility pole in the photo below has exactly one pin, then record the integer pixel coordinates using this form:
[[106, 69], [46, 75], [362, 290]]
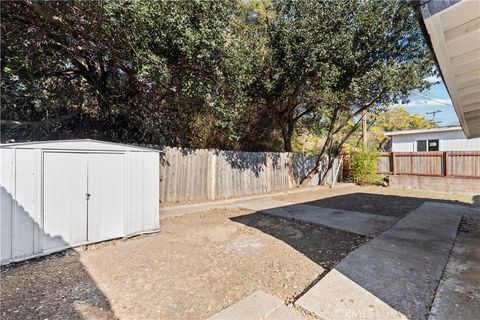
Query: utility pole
[[433, 113], [364, 128]]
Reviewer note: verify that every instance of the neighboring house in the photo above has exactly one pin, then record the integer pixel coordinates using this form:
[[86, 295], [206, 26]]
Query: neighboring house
[[436, 139]]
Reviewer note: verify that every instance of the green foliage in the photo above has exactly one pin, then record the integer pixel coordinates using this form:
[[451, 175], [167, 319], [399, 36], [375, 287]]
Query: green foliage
[[394, 119], [251, 75], [398, 118], [364, 166], [134, 71]]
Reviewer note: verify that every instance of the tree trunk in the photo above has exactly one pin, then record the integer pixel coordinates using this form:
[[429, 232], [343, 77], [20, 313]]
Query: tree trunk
[[287, 134], [331, 161], [318, 164], [326, 146], [364, 128]]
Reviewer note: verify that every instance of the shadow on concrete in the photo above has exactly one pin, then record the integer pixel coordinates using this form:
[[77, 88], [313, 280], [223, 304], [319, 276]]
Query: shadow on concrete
[[324, 246], [387, 205], [476, 200], [397, 274], [57, 286]]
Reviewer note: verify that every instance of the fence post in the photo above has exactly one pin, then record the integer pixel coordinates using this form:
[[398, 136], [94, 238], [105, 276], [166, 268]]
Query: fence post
[[267, 172], [290, 170], [393, 164], [213, 177], [446, 163], [411, 162]]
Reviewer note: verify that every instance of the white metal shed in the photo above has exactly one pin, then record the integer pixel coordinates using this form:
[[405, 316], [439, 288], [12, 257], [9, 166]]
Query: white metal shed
[[61, 194]]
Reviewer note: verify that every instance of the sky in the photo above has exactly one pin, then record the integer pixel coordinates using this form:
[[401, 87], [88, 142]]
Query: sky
[[436, 98]]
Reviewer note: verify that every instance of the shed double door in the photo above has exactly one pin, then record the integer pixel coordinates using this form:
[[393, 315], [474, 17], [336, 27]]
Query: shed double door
[[83, 198]]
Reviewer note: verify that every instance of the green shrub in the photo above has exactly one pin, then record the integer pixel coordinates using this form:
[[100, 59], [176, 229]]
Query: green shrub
[[364, 166]]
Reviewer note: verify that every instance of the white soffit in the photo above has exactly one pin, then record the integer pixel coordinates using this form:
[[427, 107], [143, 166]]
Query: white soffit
[[455, 37]]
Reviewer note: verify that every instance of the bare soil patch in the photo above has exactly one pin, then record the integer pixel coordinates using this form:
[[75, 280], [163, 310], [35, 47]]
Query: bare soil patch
[[196, 266]]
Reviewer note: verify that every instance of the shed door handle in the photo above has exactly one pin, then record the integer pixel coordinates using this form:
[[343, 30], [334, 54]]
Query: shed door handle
[[87, 196]]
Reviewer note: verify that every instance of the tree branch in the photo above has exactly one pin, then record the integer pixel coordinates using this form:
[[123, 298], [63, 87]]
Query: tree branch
[[15, 123]]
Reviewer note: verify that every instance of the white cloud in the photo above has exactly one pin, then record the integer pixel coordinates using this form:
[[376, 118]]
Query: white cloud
[[432, 79], [427, 103]]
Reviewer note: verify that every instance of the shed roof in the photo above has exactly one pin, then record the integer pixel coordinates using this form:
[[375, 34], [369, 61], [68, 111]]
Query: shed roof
[[76, 144]]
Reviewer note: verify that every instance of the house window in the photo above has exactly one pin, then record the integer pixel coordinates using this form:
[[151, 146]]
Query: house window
[[433, 145], [428, 145], [421, 145]]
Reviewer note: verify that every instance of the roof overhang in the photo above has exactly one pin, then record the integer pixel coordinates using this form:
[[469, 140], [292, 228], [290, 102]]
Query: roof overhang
[[417, 131], [452, 28]]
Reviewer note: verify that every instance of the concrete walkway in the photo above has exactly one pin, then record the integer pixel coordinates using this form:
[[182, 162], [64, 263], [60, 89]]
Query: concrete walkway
[[393, 276], [259, 306], [458, 295], [170, 211], [357, 222]]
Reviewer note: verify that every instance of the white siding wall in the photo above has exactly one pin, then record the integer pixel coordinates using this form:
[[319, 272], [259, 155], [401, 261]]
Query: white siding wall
[[22, 181], [144, 201], [448, 140], [7, 176]]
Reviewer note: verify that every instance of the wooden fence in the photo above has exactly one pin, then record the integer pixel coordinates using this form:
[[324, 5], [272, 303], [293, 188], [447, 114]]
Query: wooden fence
[[195, 175], [464, 164]]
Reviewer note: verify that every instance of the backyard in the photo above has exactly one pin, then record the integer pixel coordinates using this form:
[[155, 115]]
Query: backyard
[[240, 160], [199, 263]]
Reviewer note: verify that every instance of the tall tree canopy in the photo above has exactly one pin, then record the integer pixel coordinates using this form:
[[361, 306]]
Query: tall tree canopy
[[215, 73], [394, 119], [123, 71]]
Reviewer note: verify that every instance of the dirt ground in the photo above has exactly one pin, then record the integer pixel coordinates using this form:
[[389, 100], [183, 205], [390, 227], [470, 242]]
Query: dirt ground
[[198, 264]]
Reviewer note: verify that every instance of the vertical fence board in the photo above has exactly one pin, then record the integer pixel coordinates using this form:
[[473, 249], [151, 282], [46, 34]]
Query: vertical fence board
[[464, 164], [195, 175]]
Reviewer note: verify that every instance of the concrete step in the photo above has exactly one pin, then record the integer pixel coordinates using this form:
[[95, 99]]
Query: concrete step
[[393, 276], [352, 221], [259, 306]]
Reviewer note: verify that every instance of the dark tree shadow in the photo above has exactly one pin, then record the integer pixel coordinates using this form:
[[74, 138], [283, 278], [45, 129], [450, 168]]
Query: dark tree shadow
[[388, 205], [324, 246], [252, 161], [476, 200], [327, 247]]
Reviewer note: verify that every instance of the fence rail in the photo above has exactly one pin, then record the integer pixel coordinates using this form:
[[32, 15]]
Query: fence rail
[[464, 164], [194, 175]]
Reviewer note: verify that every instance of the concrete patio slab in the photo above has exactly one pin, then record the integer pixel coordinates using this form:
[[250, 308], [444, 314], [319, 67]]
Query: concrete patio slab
[[262, 204], [358, 222], [254, 307], [338, 297], [259, 306], [285, 312], [171, 211], [458, 295], [393, 276]]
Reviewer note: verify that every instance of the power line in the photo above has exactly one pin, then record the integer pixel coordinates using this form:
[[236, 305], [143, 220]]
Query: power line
[[441, 102]]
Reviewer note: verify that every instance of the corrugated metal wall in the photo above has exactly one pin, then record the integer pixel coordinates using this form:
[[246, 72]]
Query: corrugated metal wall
[[24, 230]]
